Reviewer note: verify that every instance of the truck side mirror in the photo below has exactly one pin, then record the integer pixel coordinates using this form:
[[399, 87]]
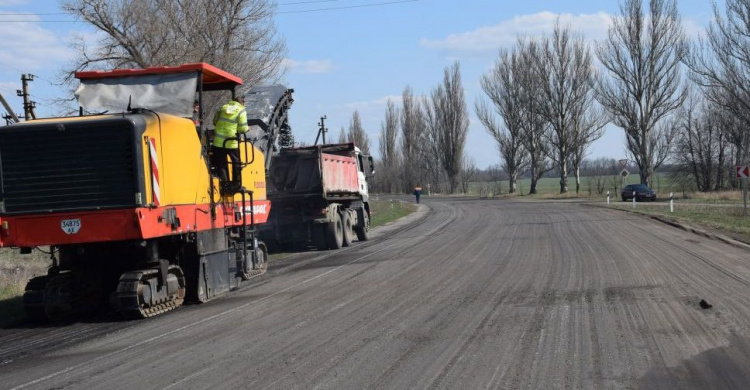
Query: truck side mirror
[[372, 165]]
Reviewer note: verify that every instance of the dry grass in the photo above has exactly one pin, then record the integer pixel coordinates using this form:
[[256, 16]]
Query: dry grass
[[716, 197], [16, 270], [725, 217]]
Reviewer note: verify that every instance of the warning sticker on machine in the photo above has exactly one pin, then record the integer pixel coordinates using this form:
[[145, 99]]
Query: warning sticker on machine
[[70, 226], [256, 209]]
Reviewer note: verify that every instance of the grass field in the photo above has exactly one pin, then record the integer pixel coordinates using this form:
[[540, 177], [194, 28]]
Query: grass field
[[549, 187], [384, 211], [726, 218]]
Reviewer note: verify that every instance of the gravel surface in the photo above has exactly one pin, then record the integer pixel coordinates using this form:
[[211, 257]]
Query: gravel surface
[[470, 294]]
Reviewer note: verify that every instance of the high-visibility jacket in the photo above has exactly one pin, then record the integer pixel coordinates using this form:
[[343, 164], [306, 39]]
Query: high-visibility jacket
[[228, 121]]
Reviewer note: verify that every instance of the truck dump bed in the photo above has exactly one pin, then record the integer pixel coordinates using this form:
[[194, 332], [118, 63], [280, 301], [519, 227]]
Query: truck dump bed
[[329, 171]]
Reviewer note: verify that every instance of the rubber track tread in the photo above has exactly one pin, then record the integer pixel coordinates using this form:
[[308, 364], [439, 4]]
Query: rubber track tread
[[170, 303]]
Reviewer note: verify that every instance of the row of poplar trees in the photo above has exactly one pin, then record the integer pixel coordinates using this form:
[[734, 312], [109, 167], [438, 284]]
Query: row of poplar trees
[[681, 102], [422, 141]]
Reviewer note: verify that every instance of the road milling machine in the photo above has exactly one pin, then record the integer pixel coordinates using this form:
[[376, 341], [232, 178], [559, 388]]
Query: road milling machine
[[127, 200]]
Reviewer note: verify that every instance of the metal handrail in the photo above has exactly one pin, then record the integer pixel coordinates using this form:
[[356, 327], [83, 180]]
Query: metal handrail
[[241, 137]]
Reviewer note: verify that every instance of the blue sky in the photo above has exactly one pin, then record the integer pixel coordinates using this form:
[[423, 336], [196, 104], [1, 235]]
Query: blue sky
[[356, 58]]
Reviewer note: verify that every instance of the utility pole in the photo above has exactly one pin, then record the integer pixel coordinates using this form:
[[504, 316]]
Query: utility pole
[[28, 105], [322, 130], [11, 115]]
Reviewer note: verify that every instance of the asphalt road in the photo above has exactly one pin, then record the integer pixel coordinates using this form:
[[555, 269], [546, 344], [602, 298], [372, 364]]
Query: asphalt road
[[472, 294]]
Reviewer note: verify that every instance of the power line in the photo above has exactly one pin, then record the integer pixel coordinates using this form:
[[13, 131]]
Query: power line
[[19, 70], [67, 13], [42, 21], [308, 2], [31, 13], [49, 102], [8, 89], [348, 7], [280, 12]]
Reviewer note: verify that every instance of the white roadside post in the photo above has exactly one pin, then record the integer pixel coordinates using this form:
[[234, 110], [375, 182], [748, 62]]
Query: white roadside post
[[671, 202], [633, 199], [607, 198]]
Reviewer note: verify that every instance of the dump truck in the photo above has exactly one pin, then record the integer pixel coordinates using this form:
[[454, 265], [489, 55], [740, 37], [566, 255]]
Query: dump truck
[[127, 201], [319, 195]]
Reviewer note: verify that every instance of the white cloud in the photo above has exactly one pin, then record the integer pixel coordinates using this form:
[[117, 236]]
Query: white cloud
[[692, 28], [375, 104], [29, 47], [309, 66], [489, 38]]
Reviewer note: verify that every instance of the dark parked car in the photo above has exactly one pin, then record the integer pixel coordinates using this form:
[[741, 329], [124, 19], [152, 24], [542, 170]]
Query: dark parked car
[[642, 192]]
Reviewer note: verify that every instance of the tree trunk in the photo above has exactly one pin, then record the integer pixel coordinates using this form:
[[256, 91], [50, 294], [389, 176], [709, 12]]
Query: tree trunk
[[647, 175], [578, 180], [532, 189], [720, 166], [512, 181], [563, 178], [453, 179]]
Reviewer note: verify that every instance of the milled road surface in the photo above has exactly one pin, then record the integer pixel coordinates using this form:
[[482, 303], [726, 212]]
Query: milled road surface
[[476, 294]]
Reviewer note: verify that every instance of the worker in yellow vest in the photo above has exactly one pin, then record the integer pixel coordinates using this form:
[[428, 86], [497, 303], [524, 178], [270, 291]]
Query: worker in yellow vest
[[229, 120]]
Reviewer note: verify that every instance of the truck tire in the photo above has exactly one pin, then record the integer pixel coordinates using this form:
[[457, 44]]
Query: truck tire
[[335, 232], [347, 224], [363, 233]]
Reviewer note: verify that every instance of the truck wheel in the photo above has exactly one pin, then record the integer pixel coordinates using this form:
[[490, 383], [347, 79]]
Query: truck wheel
[[347, 223], [363, 233], [335, 233]]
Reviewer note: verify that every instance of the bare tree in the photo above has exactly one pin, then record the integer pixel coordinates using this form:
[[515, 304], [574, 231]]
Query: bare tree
[[451, 119], [357, 134], [503, 87], [432, 148], [343, 138], [736, 132], [236, 35], [588, 126], [533, 124], [468, 173], [412, 145], [721, 63], [700, 146], [388, 152], [567, 73], [597, 171], [642, 54]]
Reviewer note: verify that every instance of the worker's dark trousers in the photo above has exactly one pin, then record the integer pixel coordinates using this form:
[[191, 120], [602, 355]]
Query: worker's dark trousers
[[219, 161]]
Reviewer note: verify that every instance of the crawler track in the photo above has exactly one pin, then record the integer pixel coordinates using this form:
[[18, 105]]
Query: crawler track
[[130, 294]]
